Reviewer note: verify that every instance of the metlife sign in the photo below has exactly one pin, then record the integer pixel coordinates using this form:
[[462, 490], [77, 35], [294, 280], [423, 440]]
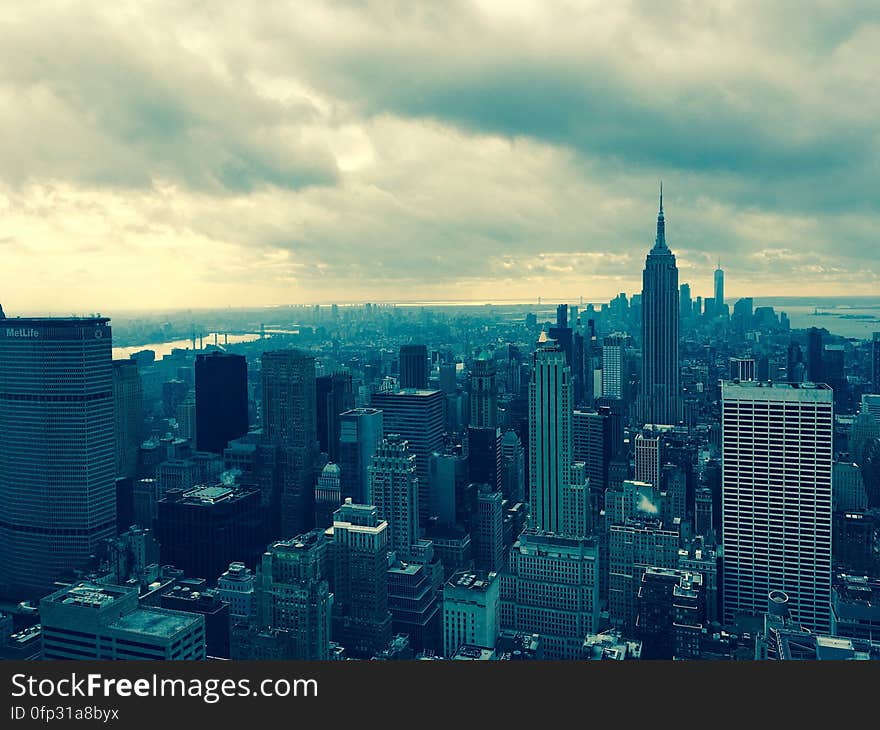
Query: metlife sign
[[29, 333]]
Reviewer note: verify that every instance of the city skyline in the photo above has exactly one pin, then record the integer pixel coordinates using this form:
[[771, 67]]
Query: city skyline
[[128, 185]]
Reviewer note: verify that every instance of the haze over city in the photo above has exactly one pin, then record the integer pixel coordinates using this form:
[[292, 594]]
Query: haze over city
[[158, 156]]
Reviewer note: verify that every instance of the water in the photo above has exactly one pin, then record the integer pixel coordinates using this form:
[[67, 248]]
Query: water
[[846, 317], [164, 348]]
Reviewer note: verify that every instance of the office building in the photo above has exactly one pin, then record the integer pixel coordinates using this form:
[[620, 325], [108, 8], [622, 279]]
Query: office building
[[361, 620], [484, 456], [289, 425], [486, 528], [293, 593], [719, 291], [635, 545], [660, 391], [484, 392], [236, 586], [449, 480], [550, 454], [221, 400], [128, 415], [57, 449], [207, 603], [671, 614], [471, 611], [418, 417], [328, 495], [360, 433], [415, 598], [742, 368], [612, 366], [550, 588], [776, 498], [203, 529], [513, 475], [414, 366], [394, 490], [647, 460], [89, 621], [333, 396]]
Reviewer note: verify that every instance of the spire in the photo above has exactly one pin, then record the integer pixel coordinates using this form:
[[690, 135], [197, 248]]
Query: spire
[[660, 242]]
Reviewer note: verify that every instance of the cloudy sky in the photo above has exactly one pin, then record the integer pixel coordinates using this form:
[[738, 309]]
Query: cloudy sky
[[172, 154]]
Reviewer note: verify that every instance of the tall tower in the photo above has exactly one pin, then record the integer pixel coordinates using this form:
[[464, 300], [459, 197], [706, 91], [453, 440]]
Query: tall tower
[[660, 314], [394, 490], [484, 392], [289, 423], [221, 400], [57, 449], [719, 290], [128, 411], [776, 498], [550, 407]]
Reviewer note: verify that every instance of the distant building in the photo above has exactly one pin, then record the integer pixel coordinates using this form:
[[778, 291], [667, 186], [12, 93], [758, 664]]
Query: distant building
[[394, 490], [414, 366], [855, 608]]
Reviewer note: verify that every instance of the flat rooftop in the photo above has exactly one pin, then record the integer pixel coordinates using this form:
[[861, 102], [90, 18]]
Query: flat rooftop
[[155, 622]]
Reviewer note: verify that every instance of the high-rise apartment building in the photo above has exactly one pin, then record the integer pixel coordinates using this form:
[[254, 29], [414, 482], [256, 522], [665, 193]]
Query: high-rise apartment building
[[777, 497]]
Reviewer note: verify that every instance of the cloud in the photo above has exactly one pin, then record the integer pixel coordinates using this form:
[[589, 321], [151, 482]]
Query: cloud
[[422, 150]]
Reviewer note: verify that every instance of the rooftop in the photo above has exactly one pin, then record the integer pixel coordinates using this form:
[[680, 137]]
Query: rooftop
[[161, 623]]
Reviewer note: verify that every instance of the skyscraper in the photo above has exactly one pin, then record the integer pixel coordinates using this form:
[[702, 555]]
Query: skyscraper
[[776, 498], [361, 620], [57, 449], [128, 411], [815, 371], [550, 408], [413, 366], [417, 416], [660, 312], [360, 433], [394, 490], [333, 395], [221, 400], [293, 593], [719, 290], [289, 424], [484, 392], [612, 366]]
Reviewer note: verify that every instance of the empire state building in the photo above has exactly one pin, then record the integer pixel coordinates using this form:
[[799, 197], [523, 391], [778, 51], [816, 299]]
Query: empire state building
[[660, 379]]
